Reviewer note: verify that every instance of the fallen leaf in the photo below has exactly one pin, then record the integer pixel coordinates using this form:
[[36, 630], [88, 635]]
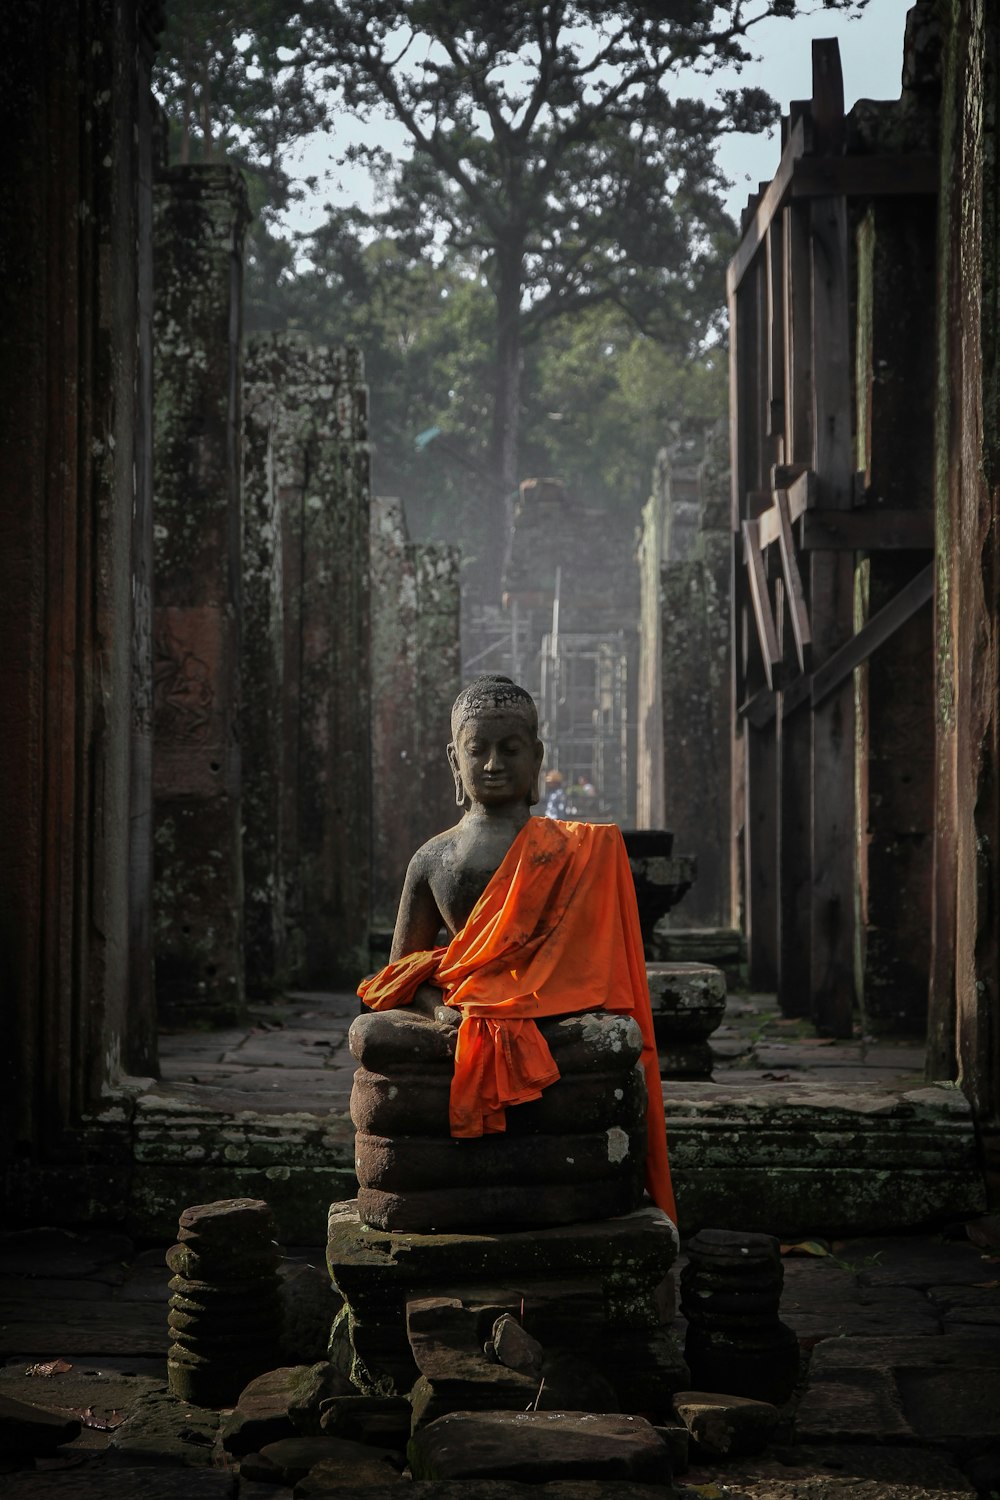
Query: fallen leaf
[[988, 1284], [51, 1367], [806, 1247]]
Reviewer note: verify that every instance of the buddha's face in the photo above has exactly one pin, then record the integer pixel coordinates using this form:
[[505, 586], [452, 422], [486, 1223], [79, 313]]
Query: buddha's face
[[497, 756]]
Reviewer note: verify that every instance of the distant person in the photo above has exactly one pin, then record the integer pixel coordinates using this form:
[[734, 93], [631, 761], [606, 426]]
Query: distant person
[[556, 802]]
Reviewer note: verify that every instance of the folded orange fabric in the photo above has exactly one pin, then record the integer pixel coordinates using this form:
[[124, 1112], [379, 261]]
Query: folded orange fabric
[[555, 931]]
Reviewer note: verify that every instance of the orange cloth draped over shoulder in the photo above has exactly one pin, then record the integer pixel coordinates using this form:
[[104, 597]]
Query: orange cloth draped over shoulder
[[555, 931]]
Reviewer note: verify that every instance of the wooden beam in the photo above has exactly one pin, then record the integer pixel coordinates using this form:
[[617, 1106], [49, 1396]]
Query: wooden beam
[[904, 174], [803, 494], [773, 245], [772, 200], [759, 709], [797, 609], [867, 530], [760, 599], [827, 678]]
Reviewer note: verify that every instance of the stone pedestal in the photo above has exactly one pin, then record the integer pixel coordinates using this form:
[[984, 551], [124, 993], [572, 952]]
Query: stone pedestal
[[576, 1153], [688, 1003], [599, 1291]]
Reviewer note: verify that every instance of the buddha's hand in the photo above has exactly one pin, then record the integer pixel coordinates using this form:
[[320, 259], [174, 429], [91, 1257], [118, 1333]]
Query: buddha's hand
[[427, 1002]]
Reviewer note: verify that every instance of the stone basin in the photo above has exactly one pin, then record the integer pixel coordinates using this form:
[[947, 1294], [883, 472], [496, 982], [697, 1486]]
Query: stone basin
[[661, 878]]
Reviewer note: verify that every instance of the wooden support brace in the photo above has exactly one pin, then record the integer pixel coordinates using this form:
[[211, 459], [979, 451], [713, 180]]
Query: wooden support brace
[[797, 608], [827, 678], [866, 530], [767, 635]]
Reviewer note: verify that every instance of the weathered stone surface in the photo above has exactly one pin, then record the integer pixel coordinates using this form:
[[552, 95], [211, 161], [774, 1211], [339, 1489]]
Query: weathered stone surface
[[26, 1429], [597, 1041], [288, 1461], [539, 1446], [316, 814], [260, 1415], [330, 1476], [417, 1104], [226, 1223], [438, 1211], [318, 1384], [163, 1428], [423, 1163], [726, 1426], [381, 1420], [841, 1472], [99, 1483], [201, 213], [943, 1389], [416, 675], [794, 1158], [515, 1348], [688, 1000], [240, 1263]]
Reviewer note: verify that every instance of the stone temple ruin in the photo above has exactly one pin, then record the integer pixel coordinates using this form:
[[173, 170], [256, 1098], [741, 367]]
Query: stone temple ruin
[[228, 669]]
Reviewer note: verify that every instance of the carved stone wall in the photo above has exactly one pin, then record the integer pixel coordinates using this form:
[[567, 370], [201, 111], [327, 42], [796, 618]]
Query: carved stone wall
[[71, 72], [200, 216], [416, 675], [307, 729], [684, 704], [965, 966]]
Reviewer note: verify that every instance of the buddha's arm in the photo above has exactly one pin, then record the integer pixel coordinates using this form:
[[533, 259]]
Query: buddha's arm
[[418, 920], [418, 923]]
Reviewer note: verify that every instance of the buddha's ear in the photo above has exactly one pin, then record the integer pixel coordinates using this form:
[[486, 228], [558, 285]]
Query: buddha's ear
[[461, 797], [535, 794]]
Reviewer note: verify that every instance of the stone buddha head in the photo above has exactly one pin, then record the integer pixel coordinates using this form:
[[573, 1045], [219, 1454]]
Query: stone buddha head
[[495, 753]]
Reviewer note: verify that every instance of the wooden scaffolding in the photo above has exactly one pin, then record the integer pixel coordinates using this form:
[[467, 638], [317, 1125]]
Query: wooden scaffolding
[[831, 303]]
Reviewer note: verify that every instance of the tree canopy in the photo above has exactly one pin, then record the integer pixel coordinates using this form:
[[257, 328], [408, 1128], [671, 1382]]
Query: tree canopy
[[561, 169]]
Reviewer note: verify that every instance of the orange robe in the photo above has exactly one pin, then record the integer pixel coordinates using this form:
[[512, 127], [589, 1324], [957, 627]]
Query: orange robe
[[555, 931]]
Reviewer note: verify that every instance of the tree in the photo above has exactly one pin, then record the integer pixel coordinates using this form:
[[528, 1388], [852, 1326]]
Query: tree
[[551, 145]]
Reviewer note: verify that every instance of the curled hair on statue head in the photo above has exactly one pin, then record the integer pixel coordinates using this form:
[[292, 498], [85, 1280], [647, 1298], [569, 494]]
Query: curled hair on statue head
[[491, 693]]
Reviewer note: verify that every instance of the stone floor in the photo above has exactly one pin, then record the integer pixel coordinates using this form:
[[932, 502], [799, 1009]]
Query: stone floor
[[293, 1054], [901, 1395]]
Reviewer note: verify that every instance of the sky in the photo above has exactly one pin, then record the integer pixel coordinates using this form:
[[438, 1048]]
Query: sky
[[871, 50]]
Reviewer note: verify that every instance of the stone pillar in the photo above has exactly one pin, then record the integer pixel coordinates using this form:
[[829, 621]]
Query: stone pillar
[[200, 216], [263, 682], [416, 676], [649, 737], [69, 85], [317, 469], [395, 761], [695, 675], [965, 968], [439, 681], [894, 687]]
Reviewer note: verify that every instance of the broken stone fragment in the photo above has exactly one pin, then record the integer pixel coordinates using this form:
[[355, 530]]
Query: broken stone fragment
[[515, 1348], [381, 1420], [316, 1384], [32, 1431], [229, 1223], [537, 1447], [260, 1416], [726, 1426], [291, 1459]]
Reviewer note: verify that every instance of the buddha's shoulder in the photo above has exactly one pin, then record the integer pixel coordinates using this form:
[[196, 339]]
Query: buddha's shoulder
[[430, 856]]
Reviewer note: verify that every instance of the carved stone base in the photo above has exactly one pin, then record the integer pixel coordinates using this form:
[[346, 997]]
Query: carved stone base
[[591, 1291]]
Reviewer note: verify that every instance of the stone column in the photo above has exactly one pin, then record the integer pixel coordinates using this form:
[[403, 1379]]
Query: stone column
[[396, 768], [317, 466], [69, 85], [416, 676], [200, 216], [439, 680], [263, 681], [695, 675], [894, 688]]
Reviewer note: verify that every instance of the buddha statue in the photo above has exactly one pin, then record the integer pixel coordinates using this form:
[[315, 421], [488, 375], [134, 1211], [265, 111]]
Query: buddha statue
[[508, 1076]]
